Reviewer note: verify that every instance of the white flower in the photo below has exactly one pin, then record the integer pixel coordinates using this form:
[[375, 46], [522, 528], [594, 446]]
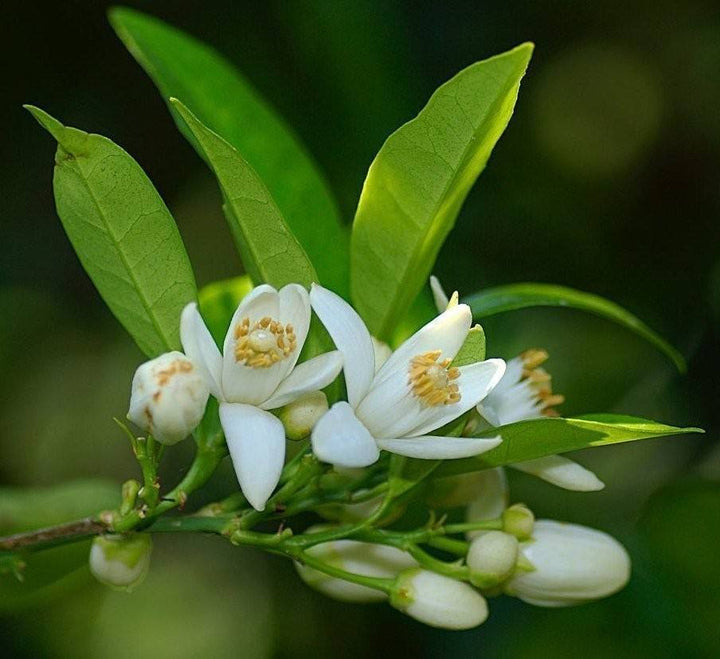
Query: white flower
[[523, 393], [364, 558], [572, 564], [256, 372], [121, 561], [415, 392], [437, 600], [168, 397]]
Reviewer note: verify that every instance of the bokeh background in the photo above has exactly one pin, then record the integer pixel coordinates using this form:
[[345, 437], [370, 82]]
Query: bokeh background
[[607, 180]]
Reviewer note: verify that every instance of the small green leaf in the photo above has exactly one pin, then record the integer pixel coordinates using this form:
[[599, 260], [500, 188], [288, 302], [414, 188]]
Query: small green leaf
[[418, 182], [268, 248], [123, 233], [492, 301], [218, 301], [225, 102], [536, 438], [473, 349]]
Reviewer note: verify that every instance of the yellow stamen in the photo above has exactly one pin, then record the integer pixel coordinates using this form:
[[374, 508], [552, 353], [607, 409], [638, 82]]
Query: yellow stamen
[[264, 343], [432, 380], [540, 380]]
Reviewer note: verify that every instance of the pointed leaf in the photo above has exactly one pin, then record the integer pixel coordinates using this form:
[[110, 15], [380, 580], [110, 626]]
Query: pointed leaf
[[492, 301], [225, 102], [123, 233], [536, 438], [418, 182]]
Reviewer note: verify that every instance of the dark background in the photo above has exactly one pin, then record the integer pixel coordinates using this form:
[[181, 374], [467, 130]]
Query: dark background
[[606, 180]]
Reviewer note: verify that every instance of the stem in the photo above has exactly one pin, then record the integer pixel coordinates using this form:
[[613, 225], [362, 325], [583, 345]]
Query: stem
[[458, 547], [385, 585], [53, 536]]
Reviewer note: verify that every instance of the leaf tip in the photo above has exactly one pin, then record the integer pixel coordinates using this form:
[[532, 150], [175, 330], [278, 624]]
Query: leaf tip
[[48, 122]]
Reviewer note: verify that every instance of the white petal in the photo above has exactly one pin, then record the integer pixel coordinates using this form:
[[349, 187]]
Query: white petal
[[340, 439], [439, 295], [199, 345], [431, 447], [351, 338], [295, 309], [446, 333], [314, 374], [392, 410], [493, 499], [562, 472], [382, 352], [256, 441], [241, 383]]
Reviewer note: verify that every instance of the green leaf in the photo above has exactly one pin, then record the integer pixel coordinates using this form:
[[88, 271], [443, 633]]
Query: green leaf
[[123, 233], [268, 248], [418, 182], [473, 349], [218, 301], [225, 102], [405, 473], [536, 438], [51, 573], [492, 301]]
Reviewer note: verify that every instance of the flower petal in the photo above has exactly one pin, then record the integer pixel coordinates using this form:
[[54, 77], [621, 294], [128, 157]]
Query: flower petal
[[446, 333], [432, 447], [200, 347], [439, 295], [241, 383], [392, 410], [295, 310], [340, 439], [311, 375], [494, 498], [351, 338], [562, 472], [256, 441]]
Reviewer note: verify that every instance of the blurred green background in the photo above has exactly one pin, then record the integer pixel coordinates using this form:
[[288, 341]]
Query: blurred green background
[[607, 180]]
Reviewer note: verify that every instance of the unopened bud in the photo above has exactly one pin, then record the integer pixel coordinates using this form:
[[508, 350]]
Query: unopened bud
[[491, 558], [364, 558], [121, 561], [300, 416], [571, 564], [519, 520], [437, 600], [168, 397]]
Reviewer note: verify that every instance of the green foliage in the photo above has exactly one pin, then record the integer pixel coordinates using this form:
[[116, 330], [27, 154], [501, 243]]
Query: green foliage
[[473, 350], [218, 301], [496, 300], [268, 248], [418, 182], [226, 103], [52, 572], [536, 438], [123, 233]]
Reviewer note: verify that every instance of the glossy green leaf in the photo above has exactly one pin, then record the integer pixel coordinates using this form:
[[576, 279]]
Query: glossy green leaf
[[536, 438], [418, 182], [406, 473], [53, 572], [473, 349], [225, 102], [492, 301], [269, 250], [123, 233]]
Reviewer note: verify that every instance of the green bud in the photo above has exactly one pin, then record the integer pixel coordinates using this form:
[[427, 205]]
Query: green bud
[[121, 561], [492, 558], [300, 416], [519, 521]]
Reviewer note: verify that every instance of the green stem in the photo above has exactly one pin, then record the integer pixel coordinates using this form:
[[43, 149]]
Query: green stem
[[450, 545], [385, 585]]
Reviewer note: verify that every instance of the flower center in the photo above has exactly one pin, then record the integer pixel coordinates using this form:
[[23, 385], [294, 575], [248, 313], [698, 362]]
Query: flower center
[[540, 380], [263, 343], [432, 381]]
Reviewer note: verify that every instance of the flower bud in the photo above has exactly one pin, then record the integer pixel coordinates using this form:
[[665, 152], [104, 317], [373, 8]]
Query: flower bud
[[362, 558], [493, 498], [491, 558], [437, 600], [519, 520], [168, 397], [300, 416], [121, 561], [572, 564]]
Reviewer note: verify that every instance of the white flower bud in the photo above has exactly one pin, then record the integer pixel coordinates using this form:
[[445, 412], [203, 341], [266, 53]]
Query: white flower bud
[[121, 561], [168, 397], [572, 564], [492, 558], [519, 520], [492, 499], [300, 416], [437, 600], [362, 558]]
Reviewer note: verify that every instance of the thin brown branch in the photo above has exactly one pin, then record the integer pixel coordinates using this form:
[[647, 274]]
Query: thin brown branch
[[53, 535]]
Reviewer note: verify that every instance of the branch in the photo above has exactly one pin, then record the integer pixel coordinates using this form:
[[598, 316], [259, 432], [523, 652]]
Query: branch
[[53, 535]]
